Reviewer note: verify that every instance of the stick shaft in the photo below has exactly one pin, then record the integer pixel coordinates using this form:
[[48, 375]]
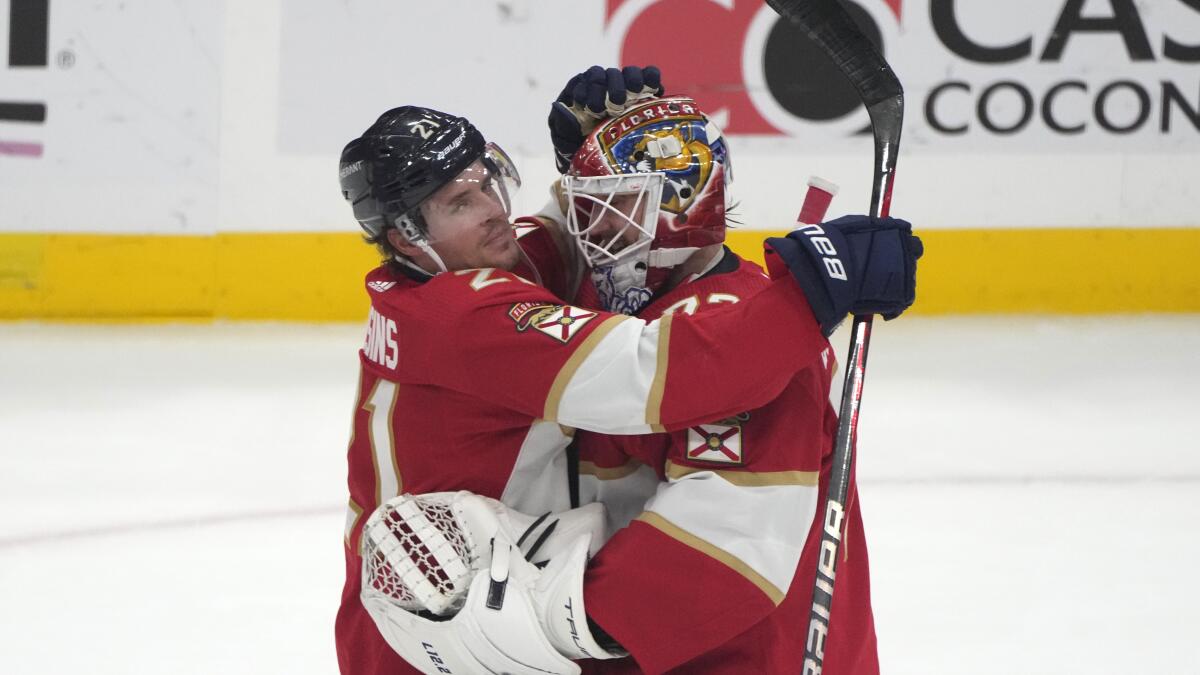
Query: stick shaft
[[886, 144], [827, 23]]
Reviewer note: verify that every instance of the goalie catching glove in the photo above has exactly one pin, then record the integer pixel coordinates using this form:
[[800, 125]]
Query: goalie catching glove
[[455, 584]]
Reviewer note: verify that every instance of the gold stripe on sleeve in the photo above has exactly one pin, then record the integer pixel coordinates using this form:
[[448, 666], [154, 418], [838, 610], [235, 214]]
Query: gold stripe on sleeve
[[609, 472], [654, 401], [585, 348], [728, 559], [369, 406], [357, 511], [749, 478], [391, 427]]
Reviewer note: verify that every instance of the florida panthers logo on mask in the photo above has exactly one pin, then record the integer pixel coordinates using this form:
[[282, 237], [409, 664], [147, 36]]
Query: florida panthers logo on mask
[[671, 138]]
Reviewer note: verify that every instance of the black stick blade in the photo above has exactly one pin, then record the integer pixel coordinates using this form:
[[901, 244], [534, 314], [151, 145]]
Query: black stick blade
[[828, 24]]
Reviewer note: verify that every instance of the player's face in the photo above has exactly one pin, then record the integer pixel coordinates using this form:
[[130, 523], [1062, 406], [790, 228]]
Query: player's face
[[616, 223], [468, 225]]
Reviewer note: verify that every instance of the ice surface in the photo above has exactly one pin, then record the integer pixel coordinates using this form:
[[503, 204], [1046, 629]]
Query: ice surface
[[171, 496]]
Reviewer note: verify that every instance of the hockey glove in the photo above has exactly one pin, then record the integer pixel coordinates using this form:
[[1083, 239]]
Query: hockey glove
[[496, 631], [471, 558], [591, 96], [855, 264]]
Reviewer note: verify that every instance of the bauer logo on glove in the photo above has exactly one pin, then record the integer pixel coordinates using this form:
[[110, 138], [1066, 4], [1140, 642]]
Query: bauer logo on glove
[[824, 247]]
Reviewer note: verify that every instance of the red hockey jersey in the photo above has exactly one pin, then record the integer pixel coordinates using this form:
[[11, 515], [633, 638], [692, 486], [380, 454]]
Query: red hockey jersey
[[477, 379], [712, 568]]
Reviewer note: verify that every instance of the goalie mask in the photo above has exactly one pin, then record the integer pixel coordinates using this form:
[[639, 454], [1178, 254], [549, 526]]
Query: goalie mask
[[644, 192], [409, 154]]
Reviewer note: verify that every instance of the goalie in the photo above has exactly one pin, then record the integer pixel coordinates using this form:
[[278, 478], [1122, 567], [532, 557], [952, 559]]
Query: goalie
[[731, 501]]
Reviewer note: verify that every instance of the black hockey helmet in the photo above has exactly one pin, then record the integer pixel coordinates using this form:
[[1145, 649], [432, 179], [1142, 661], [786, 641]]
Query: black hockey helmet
[[402, 159]]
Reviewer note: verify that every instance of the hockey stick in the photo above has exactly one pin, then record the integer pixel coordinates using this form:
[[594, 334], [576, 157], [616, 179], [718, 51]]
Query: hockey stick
[[816, 201], [828, 24]]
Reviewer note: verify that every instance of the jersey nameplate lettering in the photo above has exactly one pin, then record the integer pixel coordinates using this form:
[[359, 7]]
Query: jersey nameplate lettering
[[381, 346]]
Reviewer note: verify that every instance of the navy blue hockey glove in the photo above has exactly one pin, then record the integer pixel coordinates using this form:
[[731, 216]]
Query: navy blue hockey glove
[[855, 264], [591, 96]]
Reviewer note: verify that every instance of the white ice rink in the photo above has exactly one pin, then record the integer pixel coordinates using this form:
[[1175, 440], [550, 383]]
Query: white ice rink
[[172, 496]]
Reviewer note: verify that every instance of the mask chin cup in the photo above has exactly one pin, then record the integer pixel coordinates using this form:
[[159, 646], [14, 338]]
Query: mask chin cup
[[622, 286]]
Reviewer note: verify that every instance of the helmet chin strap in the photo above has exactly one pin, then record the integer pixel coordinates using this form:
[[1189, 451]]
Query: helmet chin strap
[[414, 266], [417, 238], [428, 250]]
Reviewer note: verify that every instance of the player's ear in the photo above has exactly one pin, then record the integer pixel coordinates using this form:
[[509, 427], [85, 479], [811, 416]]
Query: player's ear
[[402, 244]]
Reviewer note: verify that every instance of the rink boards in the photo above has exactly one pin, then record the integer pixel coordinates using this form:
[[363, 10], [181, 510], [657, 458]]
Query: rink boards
[[1048, 158], [318, 276]]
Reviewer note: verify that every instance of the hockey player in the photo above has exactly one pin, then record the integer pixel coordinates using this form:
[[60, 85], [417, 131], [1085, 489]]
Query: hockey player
[[474, 377], [728, 506]]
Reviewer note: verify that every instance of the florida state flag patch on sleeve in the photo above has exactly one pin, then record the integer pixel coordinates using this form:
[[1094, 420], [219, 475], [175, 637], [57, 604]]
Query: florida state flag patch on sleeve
[[720, 443], [560, 322]]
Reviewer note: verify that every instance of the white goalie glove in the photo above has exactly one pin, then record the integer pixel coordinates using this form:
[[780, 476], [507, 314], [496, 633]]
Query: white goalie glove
[[470, 567]]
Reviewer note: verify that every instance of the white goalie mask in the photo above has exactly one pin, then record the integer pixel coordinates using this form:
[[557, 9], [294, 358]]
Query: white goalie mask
[[646, 191], [613, 220]]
